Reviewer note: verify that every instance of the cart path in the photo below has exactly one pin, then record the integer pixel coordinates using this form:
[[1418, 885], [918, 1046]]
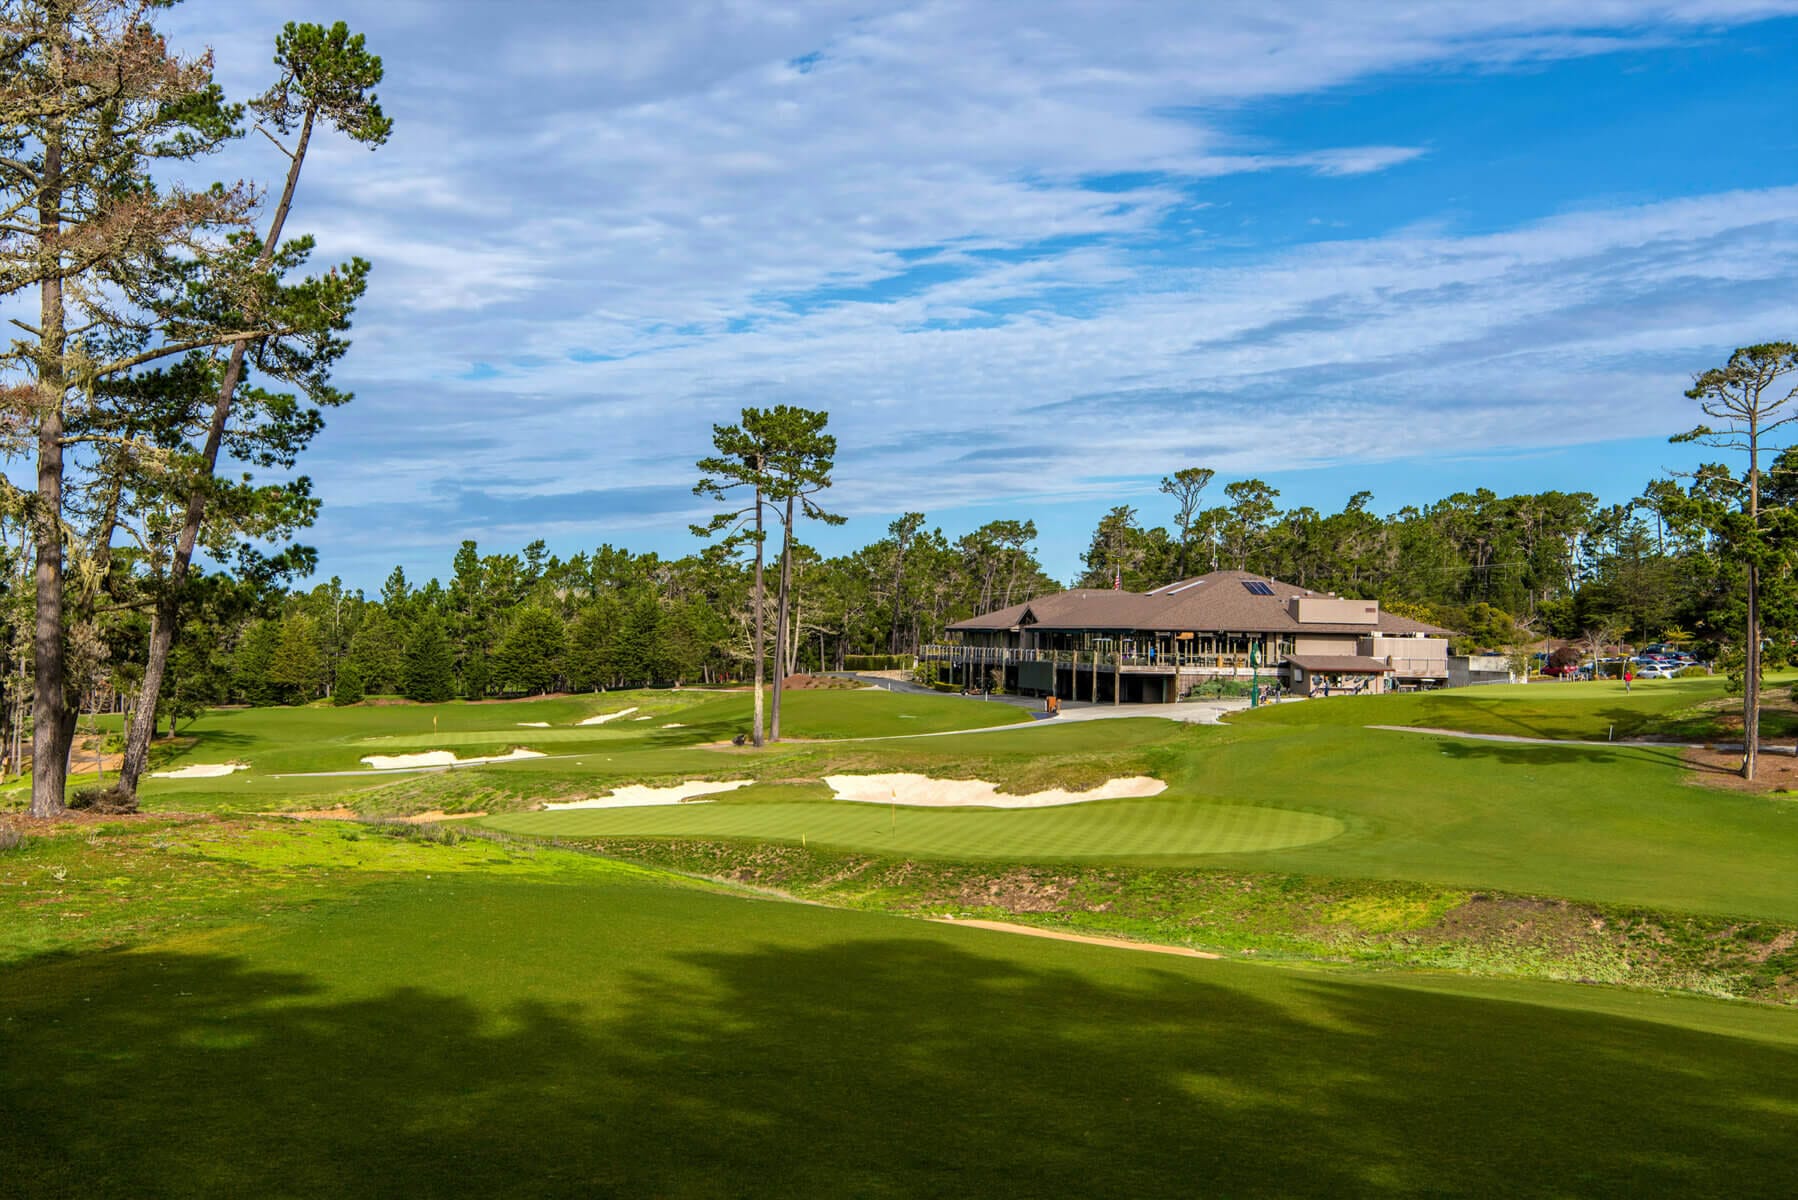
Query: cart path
[[1083, 938]]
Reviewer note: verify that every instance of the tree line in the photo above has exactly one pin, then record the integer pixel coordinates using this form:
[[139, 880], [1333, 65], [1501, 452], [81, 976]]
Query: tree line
[[174, 360]]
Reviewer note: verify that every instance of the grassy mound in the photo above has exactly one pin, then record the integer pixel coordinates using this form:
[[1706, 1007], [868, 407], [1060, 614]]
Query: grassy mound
[[447, 1031]]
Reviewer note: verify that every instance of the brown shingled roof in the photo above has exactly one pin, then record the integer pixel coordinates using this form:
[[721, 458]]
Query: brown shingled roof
[[1217, 602]]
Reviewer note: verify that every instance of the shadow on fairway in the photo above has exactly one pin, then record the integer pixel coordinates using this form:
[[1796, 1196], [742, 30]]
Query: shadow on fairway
[[896, 1067], [1527, 755]]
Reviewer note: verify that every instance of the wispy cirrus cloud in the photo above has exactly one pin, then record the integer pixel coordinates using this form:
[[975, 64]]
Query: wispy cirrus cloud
[[960, 226]]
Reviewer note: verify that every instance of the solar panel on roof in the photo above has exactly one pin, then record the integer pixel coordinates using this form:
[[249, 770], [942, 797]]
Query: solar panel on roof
[[1258, 587]]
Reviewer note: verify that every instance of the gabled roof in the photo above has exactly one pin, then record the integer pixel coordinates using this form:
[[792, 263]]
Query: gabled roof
[[1219, 602]]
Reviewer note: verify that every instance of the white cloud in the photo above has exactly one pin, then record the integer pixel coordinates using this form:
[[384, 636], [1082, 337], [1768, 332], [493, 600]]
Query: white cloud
[[946, 223]]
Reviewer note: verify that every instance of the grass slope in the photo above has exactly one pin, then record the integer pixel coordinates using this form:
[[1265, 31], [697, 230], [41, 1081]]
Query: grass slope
[[1110, 830], [1695, 709], [462, 1031]]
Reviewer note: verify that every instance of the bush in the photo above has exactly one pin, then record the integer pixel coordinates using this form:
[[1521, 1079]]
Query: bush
[[877, 662], [10, 838], [349, 688], [104, 800]]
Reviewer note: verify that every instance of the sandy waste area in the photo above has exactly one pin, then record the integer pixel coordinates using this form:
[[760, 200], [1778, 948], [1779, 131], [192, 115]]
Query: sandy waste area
[[924, 792], [639, 795], [602, 718], [441, 758], [201, 771]]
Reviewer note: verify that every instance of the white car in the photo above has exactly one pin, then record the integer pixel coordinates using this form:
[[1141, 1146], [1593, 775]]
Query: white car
[[1653, 671]]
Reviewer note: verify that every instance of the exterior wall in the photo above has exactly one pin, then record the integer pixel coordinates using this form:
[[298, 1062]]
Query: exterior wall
[[1330, 610], [1411, 657], [1327, 644], [1469, 670]]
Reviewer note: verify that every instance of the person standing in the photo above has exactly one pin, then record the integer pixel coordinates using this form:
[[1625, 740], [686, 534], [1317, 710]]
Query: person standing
[[1629, 677]]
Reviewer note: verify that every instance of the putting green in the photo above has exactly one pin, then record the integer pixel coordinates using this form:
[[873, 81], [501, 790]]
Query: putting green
[[1107, 829]]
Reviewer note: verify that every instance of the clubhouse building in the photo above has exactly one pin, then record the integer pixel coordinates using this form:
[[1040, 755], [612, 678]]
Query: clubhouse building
[[1155, 647]]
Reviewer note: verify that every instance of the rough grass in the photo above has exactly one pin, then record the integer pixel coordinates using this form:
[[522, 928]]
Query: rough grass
[[1364, 922], [585, 1031]]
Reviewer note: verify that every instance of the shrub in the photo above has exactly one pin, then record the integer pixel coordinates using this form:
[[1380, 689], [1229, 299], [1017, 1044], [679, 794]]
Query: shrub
[[104, 800], [11, 838], [877, 662]]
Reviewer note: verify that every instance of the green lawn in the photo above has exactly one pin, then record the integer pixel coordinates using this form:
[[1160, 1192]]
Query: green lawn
[[1133, 829], [398, 1017], [1679, 709], [1622, 825], [660, 739]]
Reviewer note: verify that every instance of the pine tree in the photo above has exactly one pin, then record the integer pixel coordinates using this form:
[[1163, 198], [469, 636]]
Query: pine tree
[[430, 666], [295, 667], [349, 685], [250, 665], [589, 660], [530, 657]]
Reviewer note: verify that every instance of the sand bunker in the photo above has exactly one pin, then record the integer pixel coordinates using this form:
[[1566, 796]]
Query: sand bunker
[[674, 725], [533, 724], [639, 795], [924, 792], [201, 771], [441, 758], [602, 718]]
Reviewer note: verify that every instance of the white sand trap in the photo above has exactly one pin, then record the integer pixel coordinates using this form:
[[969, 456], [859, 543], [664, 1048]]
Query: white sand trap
[[642, 718], [533, 724], [201, 771], [924, 792], [441, 758], [602, 718], [674, 725], [639, 795]]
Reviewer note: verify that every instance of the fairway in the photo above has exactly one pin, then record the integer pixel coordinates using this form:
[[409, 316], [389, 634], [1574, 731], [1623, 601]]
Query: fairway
[[461, 1033], [1106, 829]]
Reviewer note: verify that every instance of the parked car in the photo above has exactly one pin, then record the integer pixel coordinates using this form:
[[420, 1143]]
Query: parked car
[[1656, 671]]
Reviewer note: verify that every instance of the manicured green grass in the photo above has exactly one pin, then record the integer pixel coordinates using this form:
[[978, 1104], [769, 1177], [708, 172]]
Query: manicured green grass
[[1694, 709], [1112, 829], [1623, 825], [666, 730], [461, 1032]]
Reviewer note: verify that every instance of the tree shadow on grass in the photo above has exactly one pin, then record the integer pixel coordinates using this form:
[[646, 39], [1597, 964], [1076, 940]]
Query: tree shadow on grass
[[895, 1067], [1527, 754]]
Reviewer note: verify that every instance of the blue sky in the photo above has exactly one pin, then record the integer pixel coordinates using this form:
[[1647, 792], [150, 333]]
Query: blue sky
[[1030, 256]]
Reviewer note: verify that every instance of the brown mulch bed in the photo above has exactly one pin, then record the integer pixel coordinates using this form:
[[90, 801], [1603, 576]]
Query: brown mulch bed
[[820, 683], [1720, 769]]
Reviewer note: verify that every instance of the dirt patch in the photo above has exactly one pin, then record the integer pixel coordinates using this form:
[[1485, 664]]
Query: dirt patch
[[1082, 938], [1553, 926], [1721, 769], [1016, 891]]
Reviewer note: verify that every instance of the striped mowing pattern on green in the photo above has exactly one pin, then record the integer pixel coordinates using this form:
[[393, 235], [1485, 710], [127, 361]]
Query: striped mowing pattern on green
[[1124, 828]]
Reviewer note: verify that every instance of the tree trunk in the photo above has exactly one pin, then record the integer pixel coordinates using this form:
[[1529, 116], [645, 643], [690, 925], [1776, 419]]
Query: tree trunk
[[898, 595], [780, 616], [1751, 679], [51, 730], [162, 628], [761, 637]]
